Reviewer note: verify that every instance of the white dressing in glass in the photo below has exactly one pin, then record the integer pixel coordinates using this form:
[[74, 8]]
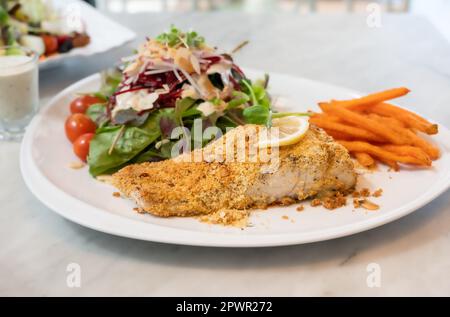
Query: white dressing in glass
[[19, 95]]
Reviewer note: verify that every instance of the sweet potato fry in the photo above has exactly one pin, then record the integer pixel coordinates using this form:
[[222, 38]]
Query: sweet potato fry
[[371, 128], [409, 118], [429, 148], [360, 103], [364, 159], [378, 152], [408, 150], [387, 120], [364, 122], [376, 103], [355, 132], [412, 138], [392, 164]]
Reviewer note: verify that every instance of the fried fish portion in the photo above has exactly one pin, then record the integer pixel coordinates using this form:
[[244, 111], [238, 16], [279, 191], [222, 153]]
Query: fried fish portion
[[185, 187]]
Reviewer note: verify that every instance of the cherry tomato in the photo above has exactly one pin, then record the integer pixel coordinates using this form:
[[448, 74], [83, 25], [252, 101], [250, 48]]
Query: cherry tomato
[[81, 145], [78, 124], [51, 44], [82, 103]]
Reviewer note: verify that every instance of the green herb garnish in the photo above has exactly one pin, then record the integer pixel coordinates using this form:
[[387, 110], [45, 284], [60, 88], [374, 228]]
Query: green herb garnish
[[175, 37]]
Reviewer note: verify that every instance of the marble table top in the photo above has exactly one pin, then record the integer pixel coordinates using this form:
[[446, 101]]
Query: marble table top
[[411, 256]]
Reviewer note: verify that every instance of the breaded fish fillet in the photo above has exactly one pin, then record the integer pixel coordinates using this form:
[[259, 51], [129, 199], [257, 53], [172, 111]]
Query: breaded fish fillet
[[314, 165]]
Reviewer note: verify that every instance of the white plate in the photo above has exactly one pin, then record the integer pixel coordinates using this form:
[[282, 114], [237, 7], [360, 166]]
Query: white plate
[[46, 154], [105, 33]]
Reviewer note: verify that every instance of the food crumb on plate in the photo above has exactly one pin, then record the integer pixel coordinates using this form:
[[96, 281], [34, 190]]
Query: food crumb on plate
[[104, 178], [227, 217], [336, 201], [139, 210], [116, 194], [378, 192], [300, 208], [285, 217], [365, 192], [76, 165], [365, 203]]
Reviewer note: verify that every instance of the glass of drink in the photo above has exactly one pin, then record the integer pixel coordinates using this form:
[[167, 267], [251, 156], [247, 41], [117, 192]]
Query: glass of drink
[[19, 92]]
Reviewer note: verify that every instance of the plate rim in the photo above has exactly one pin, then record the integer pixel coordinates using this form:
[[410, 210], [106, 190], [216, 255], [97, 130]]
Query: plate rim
[[40, 186]]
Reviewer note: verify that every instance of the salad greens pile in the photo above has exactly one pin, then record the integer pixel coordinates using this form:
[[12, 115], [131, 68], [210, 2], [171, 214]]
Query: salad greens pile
[[137, 142], [146, 136]]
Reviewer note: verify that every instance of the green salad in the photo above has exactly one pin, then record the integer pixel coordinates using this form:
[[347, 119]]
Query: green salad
[[174, 80]]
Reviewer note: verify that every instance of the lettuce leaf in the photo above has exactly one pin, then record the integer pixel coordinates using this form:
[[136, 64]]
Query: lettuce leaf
[[131, 142]]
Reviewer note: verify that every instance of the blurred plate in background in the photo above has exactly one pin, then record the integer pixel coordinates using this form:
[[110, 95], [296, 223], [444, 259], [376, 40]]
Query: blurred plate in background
[[105, 34]]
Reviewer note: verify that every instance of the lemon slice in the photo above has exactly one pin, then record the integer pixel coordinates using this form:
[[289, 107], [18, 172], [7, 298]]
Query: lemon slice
[[285, 131]]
